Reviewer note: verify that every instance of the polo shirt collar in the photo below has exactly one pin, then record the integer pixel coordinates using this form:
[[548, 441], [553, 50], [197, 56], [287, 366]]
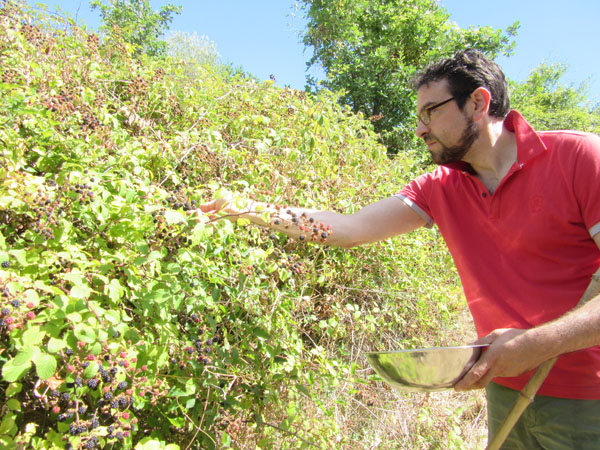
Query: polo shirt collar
[[529, 143]]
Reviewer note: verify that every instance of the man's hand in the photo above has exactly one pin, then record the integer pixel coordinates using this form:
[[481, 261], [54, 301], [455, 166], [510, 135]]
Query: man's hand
[[223, 202], [511, 352]]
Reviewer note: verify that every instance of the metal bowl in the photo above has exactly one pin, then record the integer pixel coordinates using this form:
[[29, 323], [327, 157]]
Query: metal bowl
[[425, 369]]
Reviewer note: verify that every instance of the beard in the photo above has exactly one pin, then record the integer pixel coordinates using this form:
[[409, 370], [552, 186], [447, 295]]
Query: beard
[[454, 153]]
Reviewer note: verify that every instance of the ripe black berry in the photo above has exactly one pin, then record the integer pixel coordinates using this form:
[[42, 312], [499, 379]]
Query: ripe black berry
[[69, 352], [122, 385], [5, 264], [107, 395], [93, 383], [95, 424], [78, 381], [16, 303], [82, 409], [5, 311]]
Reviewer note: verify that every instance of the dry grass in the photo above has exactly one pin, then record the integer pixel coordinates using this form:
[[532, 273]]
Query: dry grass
[[374, 416]]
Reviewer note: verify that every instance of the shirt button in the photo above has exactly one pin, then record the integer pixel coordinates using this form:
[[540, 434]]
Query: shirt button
[[483, 194]]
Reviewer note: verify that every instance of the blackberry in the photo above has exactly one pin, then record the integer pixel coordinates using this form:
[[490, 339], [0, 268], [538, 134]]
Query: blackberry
[[82, 410], [113, 371], [85, 365], [65, 396], [16, 303], [90, 445], [5, 311], [95, 424], [119, 436], [78, 381], [69, 352], [122, 385], [62, 417], [110, 429], [114, 404], [55, 393], [92, 384], [123, 402], [5, 264], [107, 395]]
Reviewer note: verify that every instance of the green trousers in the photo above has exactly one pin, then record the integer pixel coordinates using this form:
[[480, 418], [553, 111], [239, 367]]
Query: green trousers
[[549, 423]]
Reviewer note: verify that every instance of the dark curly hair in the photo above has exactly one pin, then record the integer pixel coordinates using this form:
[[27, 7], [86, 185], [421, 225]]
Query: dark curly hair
[[466, 71]]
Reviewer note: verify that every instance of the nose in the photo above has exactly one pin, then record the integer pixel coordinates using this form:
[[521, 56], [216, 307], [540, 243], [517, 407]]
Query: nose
[[421, 129]]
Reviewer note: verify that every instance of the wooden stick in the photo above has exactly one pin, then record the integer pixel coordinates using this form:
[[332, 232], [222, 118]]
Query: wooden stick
[[527, 394]]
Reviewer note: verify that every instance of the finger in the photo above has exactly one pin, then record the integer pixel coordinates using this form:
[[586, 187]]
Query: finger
[[471, 379], [208, 207]]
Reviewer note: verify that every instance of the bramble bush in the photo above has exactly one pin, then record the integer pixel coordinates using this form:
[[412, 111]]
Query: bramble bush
[[129, 321]]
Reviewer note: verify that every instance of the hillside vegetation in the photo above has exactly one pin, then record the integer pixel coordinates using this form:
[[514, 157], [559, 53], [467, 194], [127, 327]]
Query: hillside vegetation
[[128, 321]]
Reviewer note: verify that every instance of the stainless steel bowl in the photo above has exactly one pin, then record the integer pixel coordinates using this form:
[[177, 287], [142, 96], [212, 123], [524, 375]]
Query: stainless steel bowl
[[425, 369]]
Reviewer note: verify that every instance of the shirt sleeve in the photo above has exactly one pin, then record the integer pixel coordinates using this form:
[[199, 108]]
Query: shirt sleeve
[[586, 181], [414, 195]]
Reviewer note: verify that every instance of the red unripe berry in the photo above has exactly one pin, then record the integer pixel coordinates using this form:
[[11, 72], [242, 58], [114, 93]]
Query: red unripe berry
[[91, 357], [71, 368], [30, 315], [123, 354], [129, 391], [56, 409], [144, 367], [126, 415], [105, 389], [30, 305], [9, 320], [125, 364], [134, 359], [80, 344]]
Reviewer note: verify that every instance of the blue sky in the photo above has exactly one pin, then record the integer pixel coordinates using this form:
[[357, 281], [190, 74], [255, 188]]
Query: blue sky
[[262, 35]]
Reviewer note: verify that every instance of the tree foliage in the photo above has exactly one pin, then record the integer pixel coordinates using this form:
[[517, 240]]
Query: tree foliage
[[370, 50], [192, 48], [137, 22], [549, 104]]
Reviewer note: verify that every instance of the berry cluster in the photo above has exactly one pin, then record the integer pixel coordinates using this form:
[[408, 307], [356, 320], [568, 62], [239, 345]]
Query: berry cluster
[[310, 227], [14, 312], [103, 399], [61, 103]]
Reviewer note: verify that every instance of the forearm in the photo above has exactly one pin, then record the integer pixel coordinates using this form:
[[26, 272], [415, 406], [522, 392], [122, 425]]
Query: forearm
[[377, 221], [576, 330]]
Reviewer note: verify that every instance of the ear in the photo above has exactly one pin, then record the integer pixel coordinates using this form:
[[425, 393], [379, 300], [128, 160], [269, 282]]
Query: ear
[[481, 99]]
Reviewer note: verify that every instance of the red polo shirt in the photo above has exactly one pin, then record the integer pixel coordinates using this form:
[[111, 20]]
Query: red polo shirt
[[525, 253]]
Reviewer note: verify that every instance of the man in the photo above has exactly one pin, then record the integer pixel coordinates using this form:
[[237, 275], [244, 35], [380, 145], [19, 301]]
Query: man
[[520, 215]]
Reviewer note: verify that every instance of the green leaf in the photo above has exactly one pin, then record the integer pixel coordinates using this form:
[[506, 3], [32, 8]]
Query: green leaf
[[33, 336], [19, 365], [14, 404], [55, 345], [84, 333], [45, 366], [91, 370], [13, 389], [260, 333], [173, 217]]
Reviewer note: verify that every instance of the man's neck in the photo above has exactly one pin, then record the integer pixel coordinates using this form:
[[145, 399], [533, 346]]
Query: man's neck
[[493, 154]]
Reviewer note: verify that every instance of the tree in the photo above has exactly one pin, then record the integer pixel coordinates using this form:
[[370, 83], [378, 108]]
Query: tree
[[192, 48], [371, 49], [550, 105], [137, 22]]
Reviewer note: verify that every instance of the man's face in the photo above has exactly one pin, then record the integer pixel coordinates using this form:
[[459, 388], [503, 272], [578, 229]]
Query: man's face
[[449, 132]]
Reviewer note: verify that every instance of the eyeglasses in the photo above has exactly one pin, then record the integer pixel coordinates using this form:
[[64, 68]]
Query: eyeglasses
[[425, 115]]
